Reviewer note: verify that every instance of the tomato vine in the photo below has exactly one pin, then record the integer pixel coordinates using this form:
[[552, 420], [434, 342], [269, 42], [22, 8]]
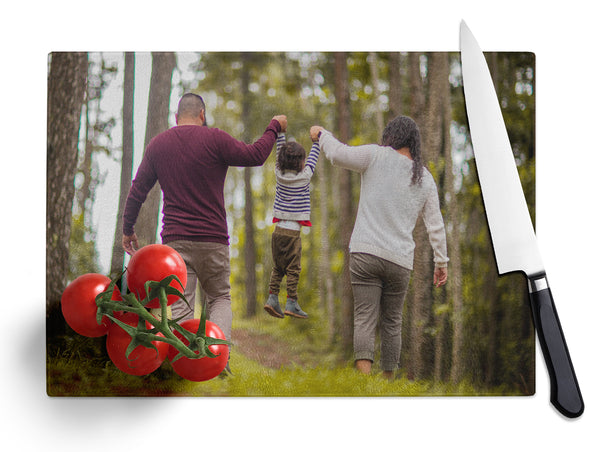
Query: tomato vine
[[199, 342]]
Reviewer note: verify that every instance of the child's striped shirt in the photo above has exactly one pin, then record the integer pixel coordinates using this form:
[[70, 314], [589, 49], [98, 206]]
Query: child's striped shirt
[[292, 191]]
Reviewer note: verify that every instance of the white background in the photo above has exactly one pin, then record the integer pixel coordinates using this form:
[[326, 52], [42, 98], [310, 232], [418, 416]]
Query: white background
[[565, 38]]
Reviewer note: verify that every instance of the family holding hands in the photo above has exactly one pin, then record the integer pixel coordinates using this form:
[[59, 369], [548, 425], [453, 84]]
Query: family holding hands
[[190, 162]]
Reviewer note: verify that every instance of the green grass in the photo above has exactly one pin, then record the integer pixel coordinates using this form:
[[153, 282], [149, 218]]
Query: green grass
[[254, 380], [78, 366], [79, 378], [315, 382]]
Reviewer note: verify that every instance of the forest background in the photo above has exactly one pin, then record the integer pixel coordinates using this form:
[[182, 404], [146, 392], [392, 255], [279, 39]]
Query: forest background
[[474, 336]]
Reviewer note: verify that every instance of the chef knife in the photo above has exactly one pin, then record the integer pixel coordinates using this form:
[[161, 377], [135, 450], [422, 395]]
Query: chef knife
[[513, 237]]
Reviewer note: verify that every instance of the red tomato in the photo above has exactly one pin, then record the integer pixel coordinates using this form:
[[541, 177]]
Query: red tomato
[[200, 369], [154, 263], [78, 304], [142, 360]]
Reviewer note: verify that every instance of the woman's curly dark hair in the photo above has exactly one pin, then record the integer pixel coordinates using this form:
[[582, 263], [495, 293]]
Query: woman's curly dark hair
[[291, 157], [403, 132]]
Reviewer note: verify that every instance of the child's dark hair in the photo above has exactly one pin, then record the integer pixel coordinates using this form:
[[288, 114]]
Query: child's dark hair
[[291, 157], [402, 132]]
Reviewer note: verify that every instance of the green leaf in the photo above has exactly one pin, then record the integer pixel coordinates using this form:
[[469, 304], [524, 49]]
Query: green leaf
[[185, 333], [202, 326], [104, 301], [139, 335], [214, 341], [182, 355], [131, 330], [143, 339], [158, 289]]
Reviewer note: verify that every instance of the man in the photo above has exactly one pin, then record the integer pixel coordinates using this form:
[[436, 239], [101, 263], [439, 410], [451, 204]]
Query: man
[[190, 162]]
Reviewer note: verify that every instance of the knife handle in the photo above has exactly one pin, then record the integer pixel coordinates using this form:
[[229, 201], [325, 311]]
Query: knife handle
[[565, 394]]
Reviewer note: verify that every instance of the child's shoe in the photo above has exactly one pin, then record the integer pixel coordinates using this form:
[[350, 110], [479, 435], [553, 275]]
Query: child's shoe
[[272, 306], [292, 308]]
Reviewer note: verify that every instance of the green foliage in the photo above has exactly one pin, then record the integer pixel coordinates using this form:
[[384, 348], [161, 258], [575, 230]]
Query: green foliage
[[82, 248]]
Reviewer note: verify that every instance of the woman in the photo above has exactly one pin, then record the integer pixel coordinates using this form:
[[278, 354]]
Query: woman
[[395, 190]]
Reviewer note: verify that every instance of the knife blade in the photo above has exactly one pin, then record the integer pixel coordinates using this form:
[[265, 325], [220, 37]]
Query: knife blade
[[513, 237]]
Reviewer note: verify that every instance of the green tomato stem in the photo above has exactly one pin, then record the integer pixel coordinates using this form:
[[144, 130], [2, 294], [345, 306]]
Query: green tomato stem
[[161, 325]]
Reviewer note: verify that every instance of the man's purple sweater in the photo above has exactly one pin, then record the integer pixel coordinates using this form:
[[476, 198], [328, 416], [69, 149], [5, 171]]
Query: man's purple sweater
[[190, 163]]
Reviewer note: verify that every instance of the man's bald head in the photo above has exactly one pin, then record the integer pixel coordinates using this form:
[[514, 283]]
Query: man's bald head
[[191, 108]]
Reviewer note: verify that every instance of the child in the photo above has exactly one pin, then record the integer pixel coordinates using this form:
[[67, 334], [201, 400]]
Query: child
[[291, 211]]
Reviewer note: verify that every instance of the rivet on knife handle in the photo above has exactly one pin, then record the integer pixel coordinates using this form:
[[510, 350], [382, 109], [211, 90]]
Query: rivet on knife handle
[[565, 394]]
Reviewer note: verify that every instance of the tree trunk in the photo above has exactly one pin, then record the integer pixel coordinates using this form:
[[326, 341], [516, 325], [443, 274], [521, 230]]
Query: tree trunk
[[118, 254], [372, 59], [441, 65], [395, 84], [249, 245], [85, 168], [420, 295], [163, 64], [455, 288], [417, 99], [493, 320], [249, 241], [66, 91], [325, 276], [433, 140], [342, 96]]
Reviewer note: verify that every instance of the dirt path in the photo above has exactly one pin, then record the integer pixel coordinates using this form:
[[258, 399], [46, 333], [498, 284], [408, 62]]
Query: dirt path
[[263, 349]]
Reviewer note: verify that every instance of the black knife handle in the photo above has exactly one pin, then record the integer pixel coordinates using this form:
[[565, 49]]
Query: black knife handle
[[565, 394]]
